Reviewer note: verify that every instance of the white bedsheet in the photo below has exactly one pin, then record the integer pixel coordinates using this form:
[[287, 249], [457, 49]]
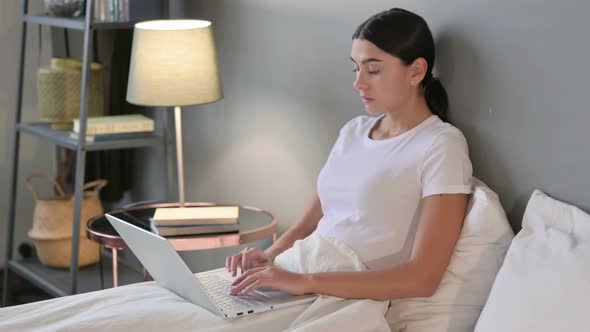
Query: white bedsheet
[[148, 307]]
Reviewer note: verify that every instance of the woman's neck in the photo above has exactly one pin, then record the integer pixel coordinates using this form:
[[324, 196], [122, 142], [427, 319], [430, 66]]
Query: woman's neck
[[405, 118]]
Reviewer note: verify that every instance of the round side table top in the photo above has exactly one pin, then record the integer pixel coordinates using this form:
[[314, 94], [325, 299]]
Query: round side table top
[[255, 224]]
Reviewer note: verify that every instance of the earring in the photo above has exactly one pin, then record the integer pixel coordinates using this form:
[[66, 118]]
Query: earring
[[412, 82]]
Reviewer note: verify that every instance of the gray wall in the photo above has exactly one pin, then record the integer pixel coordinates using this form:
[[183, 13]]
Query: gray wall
[[33, 152], [517, 76], [515, 72]]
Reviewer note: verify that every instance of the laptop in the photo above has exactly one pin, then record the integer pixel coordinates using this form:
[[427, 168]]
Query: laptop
[[209, 289]]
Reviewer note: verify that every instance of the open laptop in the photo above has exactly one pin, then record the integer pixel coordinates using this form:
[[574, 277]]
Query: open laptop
[[209, 289]]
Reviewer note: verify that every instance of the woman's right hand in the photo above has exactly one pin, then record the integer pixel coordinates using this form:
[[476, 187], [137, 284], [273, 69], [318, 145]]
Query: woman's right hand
[[247, 259]]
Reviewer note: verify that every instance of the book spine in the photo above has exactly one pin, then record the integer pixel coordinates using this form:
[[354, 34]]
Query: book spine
[[110, 10], [175, 231], [89, 139], [98, 15], [126, 10], [204, 222], [111, 137], [115, 128], [116, 10]]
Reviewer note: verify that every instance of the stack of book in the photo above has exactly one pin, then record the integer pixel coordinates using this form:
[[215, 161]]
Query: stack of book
[[113, 127], [195, 220], [111, 10]]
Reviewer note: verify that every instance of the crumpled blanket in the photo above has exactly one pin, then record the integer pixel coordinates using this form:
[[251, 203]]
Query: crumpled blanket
[[149, 307]]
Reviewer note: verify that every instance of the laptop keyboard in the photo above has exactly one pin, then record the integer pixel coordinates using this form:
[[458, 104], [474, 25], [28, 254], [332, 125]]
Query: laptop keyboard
[[219, 287]]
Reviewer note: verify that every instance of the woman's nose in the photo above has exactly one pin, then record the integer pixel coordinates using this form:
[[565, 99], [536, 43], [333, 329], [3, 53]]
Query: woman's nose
[[359, 83]]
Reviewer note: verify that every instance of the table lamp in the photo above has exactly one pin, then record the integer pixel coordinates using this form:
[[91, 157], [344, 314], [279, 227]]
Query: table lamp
[[173, 64]]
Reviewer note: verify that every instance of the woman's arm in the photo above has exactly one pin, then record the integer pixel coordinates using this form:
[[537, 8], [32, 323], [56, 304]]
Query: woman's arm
[[441, 219], [306, 224]]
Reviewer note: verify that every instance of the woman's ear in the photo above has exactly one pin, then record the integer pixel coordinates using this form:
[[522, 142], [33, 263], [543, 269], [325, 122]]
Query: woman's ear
[[418, 70]]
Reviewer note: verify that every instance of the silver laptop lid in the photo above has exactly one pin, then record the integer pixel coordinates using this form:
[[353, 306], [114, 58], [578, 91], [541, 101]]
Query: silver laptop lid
[[163, 263]]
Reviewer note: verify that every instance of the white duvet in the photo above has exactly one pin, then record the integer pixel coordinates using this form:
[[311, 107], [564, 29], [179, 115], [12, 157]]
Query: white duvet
[[148, 307]]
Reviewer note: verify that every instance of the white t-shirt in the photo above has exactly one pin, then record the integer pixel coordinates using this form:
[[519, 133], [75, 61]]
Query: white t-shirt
[[371, 190]]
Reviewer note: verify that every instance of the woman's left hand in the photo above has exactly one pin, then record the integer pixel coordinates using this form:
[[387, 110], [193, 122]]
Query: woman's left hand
[[269, 276]]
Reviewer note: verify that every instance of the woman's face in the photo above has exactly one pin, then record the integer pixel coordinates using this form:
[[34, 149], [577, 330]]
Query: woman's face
[[384, 82]]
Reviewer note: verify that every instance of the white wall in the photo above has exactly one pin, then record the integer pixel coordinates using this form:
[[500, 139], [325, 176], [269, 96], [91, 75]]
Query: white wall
[[36, 156]]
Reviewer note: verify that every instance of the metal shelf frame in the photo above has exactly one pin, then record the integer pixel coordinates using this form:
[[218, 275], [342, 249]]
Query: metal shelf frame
[[43, 131], [75, 23], [53, 280]]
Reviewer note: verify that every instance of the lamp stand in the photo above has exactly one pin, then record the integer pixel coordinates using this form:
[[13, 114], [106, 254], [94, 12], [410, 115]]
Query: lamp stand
[[179, 156], [180, 214], [183, 215]]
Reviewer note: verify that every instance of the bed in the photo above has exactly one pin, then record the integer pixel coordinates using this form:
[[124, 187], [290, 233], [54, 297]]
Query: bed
[[494, 282], [149, 307], [517, 90]]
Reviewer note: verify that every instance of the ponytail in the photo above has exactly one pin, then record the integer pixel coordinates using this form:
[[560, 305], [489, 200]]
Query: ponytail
[[436, 97]]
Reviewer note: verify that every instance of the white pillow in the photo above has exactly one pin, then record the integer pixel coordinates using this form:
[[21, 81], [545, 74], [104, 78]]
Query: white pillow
[[544, 284], [465, 286]]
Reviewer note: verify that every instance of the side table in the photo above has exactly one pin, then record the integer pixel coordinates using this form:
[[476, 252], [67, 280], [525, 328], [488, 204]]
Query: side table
[[255, 225]]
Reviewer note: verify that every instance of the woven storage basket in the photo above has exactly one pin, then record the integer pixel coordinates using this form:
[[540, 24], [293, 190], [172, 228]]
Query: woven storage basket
[[58, 91], [53, 224]]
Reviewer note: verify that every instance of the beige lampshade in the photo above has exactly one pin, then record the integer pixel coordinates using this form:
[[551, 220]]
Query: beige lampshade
[[173, 63]]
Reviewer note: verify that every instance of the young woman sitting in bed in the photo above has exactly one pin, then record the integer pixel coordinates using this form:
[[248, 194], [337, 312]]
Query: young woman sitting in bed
[[394, 188]]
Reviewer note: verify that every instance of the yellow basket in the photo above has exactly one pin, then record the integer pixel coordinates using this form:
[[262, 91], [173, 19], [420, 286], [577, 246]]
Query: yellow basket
[[58, 91], [53, 224], [57, 252]]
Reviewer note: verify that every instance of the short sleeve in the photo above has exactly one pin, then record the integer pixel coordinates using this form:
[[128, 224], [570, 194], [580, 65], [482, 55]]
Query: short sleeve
[[347, 133], [447, 168]]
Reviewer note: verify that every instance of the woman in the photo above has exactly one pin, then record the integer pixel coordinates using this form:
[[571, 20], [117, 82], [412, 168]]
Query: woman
[[394, 188]]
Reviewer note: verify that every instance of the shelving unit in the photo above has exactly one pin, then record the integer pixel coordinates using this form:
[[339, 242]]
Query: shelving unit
[[59, 282]]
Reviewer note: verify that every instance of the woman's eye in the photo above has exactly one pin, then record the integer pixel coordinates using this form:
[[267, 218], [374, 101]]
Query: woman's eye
[[371, 72]]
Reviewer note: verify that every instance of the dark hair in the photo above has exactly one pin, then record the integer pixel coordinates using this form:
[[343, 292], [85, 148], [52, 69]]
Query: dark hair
[[406, 36]]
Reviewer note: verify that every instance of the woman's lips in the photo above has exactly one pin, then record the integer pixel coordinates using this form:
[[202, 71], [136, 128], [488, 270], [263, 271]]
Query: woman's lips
[[367, 100]]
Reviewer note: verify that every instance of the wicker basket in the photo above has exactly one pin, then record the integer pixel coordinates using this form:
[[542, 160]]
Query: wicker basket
[[53, 224], [58, 91]]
